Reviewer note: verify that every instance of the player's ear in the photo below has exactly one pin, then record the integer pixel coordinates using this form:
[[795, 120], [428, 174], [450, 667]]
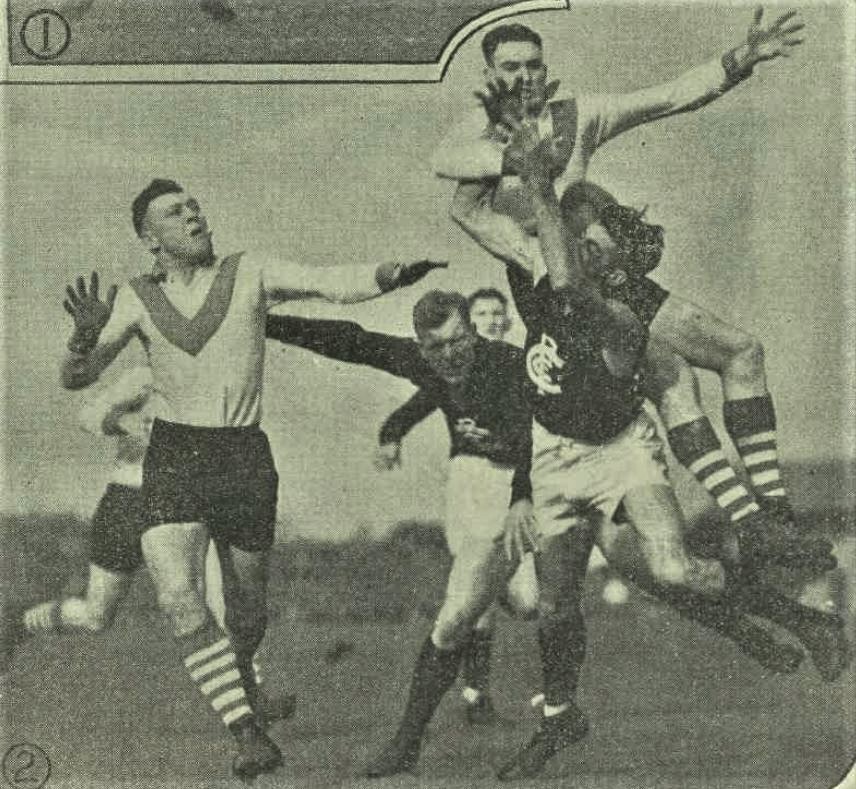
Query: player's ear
[[150, 242]]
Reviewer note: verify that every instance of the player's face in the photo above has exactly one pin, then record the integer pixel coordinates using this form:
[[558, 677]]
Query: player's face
[[521, 60], [490, 317], [600, 253], [450, 349], [175, 226]]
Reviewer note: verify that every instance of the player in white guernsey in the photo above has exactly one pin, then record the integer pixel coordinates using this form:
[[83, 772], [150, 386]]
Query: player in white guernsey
[[124, 410], [208, 471]]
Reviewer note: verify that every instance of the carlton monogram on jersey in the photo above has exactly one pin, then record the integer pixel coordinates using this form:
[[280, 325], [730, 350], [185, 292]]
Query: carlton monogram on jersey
[[578, 396], [542, 362]]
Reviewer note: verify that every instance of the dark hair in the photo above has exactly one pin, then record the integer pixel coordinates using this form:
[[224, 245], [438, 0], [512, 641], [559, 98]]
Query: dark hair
[[158, 187], [491, 294], [640, 242], [503, 34], [436, 307]]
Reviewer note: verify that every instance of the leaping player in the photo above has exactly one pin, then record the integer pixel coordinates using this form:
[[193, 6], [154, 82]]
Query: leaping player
[[682, 333]]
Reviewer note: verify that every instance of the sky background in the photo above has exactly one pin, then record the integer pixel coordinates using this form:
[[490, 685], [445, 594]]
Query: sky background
[[752, 191]]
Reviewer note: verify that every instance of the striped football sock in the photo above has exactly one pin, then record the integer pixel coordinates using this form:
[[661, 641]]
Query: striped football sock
[[210, 659], [751, 423], [696, 447]]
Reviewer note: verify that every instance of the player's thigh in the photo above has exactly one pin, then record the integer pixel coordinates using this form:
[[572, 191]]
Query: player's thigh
[[657, 519], [477, 496], [175, 556], [105, 590], [479, 568], [702, 338]]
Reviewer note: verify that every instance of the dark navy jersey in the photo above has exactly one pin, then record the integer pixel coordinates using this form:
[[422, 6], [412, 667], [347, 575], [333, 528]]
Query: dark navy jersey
[[574, 394], [494, 396]]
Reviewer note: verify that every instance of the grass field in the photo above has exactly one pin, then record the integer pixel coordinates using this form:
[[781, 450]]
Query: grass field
[[670, 705]]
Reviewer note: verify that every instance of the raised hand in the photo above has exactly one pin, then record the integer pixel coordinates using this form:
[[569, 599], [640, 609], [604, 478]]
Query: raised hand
[[762, 44], [775, 41], [90, 314], [503, 105]]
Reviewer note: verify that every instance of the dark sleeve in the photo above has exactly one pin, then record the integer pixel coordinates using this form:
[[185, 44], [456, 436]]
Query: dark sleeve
[[521, 283], [521, 483], [347, 341], [401, 421]]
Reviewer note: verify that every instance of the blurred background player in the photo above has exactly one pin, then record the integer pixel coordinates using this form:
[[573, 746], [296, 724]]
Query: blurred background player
[[489, 315], [124, 411]]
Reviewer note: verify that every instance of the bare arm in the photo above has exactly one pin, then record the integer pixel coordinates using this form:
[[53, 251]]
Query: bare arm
[[699, 85], [342, 284], [472, 210], [622, 335]]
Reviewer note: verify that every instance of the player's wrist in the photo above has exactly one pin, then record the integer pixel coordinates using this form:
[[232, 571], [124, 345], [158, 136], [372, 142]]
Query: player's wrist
[[737, 63]]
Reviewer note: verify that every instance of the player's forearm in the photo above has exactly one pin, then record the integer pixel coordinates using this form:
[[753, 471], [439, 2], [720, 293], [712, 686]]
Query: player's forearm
[[692, 90], [474, 160], [472, 211], [80, 370], [560, 252], [401, 421]]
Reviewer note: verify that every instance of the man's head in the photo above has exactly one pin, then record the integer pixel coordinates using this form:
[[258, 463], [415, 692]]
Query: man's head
[[489, 313], [617, 241], [445, 333], [170, 223], [513, 52]]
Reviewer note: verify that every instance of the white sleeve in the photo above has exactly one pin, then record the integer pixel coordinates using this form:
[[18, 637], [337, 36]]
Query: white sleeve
[[605, 116], [466, 153], [342, 283]]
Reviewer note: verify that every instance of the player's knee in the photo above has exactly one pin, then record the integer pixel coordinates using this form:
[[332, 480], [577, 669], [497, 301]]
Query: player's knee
[[672, 571], [522, 603], [454, 626], [747, 358], [185, 609], [246, 623]]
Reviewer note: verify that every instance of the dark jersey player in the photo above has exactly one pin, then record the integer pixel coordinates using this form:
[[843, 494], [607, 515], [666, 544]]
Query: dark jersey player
[[480, 387], [595, 453]]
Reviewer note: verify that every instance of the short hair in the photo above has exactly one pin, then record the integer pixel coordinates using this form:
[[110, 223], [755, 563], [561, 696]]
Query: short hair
[[503, 34], [436, 307], [641, 243], [158, 187], [487, 294]]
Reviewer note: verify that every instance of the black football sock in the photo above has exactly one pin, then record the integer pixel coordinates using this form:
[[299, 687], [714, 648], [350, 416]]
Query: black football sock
[[475, 668], [435, 672]]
